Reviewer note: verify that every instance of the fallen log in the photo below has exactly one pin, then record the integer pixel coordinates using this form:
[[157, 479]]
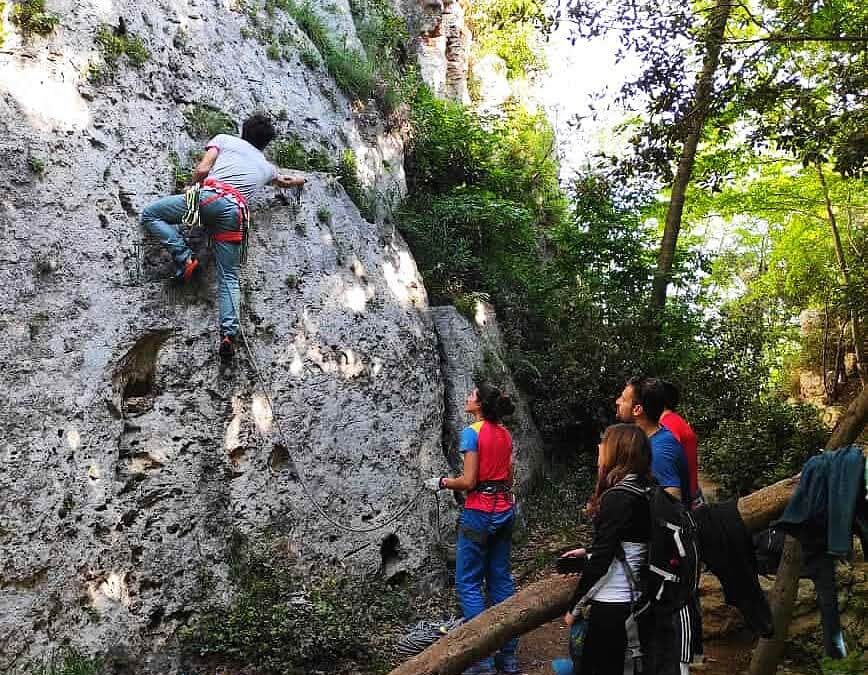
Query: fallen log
[[547, 599]]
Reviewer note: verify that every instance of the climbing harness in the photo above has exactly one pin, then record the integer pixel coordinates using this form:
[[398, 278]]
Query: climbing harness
[[493, 487], [266, 389], [224, 190], [423, 635]]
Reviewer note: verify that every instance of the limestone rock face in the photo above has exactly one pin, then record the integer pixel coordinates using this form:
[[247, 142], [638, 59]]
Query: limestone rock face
[[442, 44], [472, 349], [129, 458]]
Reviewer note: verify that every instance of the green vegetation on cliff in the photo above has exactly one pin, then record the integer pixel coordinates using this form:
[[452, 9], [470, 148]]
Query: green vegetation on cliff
[[280, 621]]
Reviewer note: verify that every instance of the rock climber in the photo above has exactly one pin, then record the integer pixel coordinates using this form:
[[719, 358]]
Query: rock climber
[[485, 529], [232, 170]]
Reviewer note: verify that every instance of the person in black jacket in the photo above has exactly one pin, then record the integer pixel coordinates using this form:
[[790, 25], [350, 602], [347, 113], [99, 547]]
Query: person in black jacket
[[622, 522]]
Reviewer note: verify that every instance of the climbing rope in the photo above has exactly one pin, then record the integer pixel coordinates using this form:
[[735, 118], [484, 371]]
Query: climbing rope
[[423, 635], [308, 493]]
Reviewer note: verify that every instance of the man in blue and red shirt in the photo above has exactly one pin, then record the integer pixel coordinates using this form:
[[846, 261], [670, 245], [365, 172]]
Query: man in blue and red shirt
[[641, 403]]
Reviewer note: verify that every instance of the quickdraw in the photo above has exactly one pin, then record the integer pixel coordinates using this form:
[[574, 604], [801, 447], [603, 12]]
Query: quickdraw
[[191, 215]]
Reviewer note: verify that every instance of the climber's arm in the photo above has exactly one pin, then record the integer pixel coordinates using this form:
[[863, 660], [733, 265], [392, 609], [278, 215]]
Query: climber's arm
[[203, 168], [287, 181], [468, 478]]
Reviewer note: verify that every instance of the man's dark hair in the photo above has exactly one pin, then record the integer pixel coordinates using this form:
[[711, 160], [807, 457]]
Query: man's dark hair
[[258, 130], [671, 395], [649, 393]]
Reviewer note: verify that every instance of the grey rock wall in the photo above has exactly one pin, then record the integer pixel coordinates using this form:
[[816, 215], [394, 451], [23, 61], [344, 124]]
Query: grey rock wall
[[129, 458]]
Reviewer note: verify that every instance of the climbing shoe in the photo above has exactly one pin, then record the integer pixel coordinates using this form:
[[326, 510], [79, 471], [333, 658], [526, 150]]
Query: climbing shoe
[[190, 268], [507, 664], [227, 348]]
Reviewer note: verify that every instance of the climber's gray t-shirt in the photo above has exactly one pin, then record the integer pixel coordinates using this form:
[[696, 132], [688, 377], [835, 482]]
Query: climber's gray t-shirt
[[240, 165]]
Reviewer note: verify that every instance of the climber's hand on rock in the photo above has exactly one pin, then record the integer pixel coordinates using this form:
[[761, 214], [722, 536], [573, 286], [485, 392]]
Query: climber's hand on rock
[[289, 181], [435, 483]]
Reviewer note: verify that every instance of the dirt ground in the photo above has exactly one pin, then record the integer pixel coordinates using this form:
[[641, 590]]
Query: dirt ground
[[539, 648]]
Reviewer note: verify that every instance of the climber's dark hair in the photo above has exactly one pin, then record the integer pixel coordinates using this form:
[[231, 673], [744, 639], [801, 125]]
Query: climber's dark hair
[[258, 130], [495, 404], [649, 393], [671, 395]]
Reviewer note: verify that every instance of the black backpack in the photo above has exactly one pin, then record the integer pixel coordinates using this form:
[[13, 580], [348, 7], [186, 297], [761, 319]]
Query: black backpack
[[673, 553]]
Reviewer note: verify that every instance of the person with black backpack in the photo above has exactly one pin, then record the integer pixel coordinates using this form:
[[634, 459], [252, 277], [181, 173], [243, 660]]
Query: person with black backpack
[[642, 402], [617, 559]]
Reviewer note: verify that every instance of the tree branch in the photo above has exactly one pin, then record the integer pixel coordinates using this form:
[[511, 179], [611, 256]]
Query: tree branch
[[799, 38]]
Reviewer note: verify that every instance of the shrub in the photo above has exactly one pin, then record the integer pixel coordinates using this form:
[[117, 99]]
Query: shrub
[[310, 58], [772, 442], [378, 72], [182, 170], [480, 187], [67, 661], [364, 199], [510, 29], [113, 46], [31, 18], [204, 122], [288, 152], [36, 165], [351, 71], [280, 622], [855, 663]]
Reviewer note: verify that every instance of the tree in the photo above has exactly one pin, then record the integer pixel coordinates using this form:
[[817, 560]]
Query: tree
[[855, 319], [695, 121], [756, 65]]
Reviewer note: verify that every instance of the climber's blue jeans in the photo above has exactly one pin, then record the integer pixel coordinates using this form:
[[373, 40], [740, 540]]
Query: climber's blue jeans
[[483, 555], [161, 219]]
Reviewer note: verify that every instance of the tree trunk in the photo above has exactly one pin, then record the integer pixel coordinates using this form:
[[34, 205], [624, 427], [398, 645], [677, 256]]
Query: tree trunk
[[851, 423], [547, 599], [782, 598], [695, 122], [855, 325], [768, 651]]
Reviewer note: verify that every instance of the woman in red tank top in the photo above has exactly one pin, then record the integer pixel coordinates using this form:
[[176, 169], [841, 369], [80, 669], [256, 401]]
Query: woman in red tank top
[[483, 575]]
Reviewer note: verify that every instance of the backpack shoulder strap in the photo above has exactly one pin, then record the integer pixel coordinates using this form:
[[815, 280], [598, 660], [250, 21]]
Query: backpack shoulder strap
[[630, 484]]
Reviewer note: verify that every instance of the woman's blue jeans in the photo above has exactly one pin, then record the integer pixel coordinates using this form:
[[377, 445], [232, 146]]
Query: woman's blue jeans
[[162, 217], [483, 557]]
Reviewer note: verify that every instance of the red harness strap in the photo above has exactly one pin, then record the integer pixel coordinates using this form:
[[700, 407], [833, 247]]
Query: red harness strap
[[225, 190]]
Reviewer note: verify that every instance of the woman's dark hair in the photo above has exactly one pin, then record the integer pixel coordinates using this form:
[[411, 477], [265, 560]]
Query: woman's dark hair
[[625, 450], [495, 404], [258, 130]]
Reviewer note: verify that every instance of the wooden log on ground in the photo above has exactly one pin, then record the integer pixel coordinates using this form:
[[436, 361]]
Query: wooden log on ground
[[545, 600]]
